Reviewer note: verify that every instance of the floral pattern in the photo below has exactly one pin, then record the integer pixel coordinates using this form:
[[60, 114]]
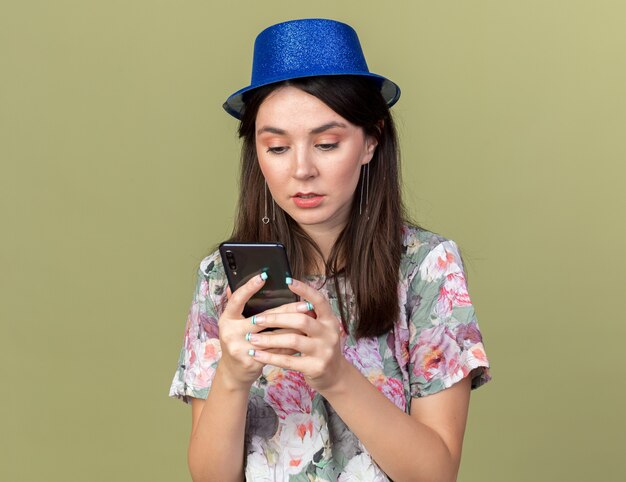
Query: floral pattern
[[292, 432]]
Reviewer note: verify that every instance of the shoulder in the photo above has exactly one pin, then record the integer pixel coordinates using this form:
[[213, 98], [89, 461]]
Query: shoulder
[[211, 266], [426, 252], [418, 243], [211, 279]]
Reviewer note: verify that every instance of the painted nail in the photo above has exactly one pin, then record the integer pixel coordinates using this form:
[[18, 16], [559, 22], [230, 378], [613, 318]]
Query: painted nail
[[288, 280], [306, 306], [248, 335], [251, 352], [258, 319], [263, 275]]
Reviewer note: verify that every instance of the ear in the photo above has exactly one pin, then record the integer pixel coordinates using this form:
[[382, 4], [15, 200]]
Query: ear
[[371, 143]]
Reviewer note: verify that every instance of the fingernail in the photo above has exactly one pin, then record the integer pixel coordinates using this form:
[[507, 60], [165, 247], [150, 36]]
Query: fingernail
[[260, 356], [251, 352], [258, 319], [253, 338], [305, 307], [248, 335], [288, 280], [263, 276]]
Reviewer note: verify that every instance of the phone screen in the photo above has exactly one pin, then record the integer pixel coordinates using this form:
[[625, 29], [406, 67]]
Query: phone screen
[[242, 261]]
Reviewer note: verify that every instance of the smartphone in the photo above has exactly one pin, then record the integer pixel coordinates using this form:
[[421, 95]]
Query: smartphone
[[242, 261]]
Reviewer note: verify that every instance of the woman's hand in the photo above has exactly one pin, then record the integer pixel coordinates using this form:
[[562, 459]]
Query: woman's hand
[[287, 308], [319, 342], [239, 368], [238, 365]]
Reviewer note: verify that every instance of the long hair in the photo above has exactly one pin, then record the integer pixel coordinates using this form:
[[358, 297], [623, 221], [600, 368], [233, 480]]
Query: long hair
[[368, 250]]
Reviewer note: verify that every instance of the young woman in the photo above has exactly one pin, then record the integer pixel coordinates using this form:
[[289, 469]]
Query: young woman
[[369, 376]]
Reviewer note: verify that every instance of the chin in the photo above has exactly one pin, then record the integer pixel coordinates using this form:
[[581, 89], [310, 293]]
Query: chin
[[308, 218]]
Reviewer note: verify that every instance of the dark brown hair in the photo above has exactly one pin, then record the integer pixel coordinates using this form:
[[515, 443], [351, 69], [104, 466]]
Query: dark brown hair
[[368, 250]]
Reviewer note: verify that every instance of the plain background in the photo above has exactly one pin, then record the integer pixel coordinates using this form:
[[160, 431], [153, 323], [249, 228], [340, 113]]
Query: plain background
[[118, 175]]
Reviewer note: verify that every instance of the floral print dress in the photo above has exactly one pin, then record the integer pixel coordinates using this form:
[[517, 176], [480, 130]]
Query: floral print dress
[[292, 432]]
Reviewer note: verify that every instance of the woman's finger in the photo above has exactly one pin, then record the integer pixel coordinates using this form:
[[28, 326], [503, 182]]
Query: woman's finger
[[294, 341], [282, 351], [297, 307], [237, 301], [288, 362], [317, 299], [296, 321]]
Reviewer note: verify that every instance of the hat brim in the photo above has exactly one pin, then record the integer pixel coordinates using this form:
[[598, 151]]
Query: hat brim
[[235, 105]]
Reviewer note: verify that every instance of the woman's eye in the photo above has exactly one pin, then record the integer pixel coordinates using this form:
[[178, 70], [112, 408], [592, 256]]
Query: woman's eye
[[327, 147], [277, 150]]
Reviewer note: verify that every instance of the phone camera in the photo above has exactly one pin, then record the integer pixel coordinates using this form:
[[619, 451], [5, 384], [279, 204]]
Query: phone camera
[[230, 257]]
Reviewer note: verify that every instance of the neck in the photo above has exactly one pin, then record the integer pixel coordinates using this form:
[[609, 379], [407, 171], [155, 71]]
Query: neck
[[325, 238]]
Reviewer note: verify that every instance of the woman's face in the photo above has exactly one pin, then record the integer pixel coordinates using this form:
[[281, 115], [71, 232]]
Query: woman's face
[[311, 158]]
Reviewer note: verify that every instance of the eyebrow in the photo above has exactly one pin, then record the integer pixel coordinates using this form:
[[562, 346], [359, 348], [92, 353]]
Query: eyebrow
[[325, 127], [317, 130]]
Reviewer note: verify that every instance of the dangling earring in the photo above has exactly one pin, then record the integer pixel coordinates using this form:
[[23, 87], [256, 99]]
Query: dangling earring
[[265, 219], [365, 184]]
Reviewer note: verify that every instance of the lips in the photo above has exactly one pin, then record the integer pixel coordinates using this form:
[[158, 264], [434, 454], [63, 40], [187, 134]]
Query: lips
[[307, 200]]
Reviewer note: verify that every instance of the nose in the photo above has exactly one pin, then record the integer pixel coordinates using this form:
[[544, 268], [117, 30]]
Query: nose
[[304, 164]]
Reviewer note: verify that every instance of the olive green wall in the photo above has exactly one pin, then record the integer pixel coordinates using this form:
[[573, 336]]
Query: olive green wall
[[117, 175]]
